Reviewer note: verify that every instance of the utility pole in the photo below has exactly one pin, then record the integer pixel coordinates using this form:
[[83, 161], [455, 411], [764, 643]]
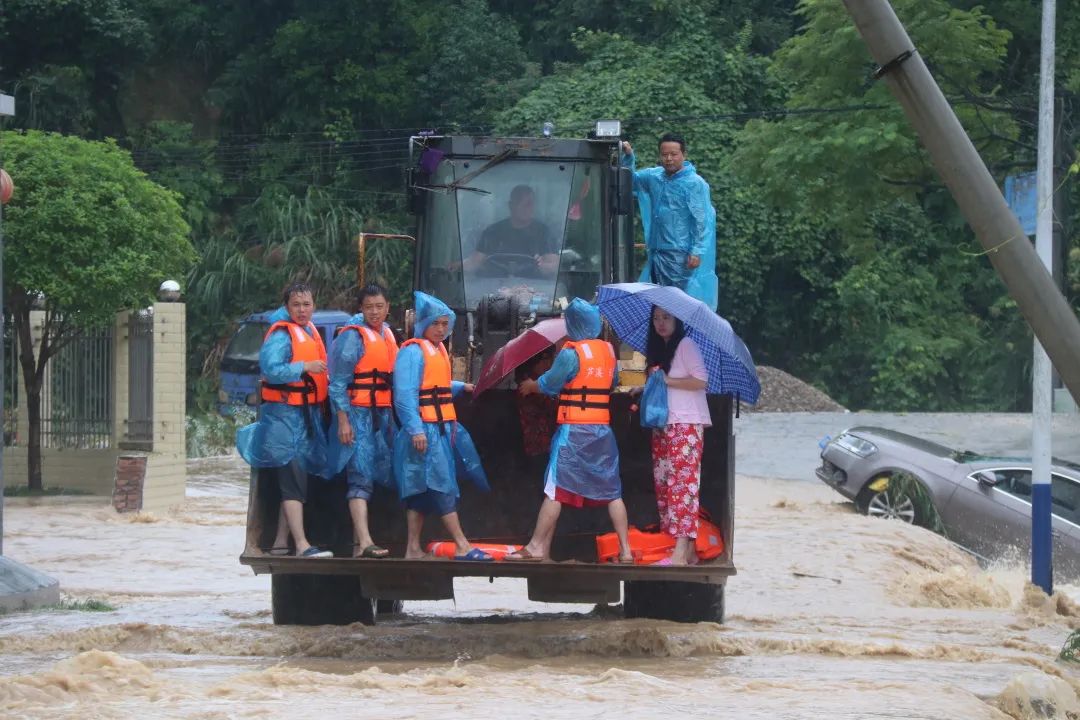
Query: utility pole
[[1042, 566], [974, 189]]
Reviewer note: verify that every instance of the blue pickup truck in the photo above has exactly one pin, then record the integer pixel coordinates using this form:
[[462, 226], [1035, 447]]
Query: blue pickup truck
[[239, 370]]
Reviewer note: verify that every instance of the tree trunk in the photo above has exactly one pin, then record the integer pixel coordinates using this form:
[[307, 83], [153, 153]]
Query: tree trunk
[[33, 375], [33, 440]]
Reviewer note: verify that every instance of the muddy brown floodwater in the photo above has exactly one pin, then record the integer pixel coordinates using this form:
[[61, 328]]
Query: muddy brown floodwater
[[832, 615]]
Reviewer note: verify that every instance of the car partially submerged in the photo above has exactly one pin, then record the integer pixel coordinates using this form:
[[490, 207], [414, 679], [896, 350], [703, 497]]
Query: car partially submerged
[[981, 502]]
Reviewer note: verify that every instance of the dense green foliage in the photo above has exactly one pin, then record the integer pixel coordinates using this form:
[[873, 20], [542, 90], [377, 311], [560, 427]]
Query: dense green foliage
[[284, 126], [86, 229], [87, 235]]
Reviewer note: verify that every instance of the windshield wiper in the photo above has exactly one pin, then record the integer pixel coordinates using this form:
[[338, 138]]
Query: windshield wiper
[[459, 184]]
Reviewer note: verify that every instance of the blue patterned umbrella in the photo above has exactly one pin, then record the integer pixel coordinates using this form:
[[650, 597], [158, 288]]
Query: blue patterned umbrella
[[628, 308]]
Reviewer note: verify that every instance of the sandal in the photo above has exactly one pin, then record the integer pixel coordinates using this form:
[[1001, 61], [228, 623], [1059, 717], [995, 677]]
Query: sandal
[[373, 552], [475, 555], [522, 555], [277, 551], [624, 560]]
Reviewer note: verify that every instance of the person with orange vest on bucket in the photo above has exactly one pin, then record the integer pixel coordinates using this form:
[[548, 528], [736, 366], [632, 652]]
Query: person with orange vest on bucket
[[431, 444], [583, 467], [362, 429], [289, 436]]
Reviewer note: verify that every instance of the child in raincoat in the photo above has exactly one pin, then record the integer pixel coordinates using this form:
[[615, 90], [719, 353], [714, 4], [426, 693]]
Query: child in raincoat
[[583, 468], [288, 436], [362, 429], [431, 444]]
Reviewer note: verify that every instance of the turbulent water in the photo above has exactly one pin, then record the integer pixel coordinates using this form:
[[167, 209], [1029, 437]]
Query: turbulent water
[[832, 615]]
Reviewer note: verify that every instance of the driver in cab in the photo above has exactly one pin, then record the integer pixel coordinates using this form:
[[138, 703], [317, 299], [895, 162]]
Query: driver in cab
[[517, 245]]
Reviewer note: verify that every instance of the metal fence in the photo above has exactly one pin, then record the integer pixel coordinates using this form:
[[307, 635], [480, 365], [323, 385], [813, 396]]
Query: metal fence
[[76, 399], [140, 426]]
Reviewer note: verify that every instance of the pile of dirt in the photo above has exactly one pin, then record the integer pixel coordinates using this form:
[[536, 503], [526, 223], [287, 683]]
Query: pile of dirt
[[781, 392]]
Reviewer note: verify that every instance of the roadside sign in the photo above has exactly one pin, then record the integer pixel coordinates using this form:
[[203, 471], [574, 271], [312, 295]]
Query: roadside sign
[[1022, 197]]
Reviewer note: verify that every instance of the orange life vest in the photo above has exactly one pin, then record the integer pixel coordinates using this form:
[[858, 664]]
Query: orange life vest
[[649, 547], [587, 398], [373, 375], [436, 398], [311, 388], [447, 549], [646, 547]]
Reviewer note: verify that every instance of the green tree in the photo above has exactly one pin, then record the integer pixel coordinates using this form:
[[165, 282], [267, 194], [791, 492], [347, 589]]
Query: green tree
[[843, 164], [67, 61], [87, 235]]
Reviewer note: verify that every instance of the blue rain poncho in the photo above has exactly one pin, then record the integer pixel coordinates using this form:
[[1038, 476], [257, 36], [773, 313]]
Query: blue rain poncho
[[369, 456], [280, 434], [447, 452], [584, 458], [679, 220]]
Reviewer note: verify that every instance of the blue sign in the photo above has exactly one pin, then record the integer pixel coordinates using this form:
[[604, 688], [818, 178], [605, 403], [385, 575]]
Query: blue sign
[[1021, 193]]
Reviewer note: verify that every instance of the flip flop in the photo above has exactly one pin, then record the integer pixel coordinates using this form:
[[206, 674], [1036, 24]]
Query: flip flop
[[475, 555], [522, 555], [624, 561], [374, 552], [277, 551]]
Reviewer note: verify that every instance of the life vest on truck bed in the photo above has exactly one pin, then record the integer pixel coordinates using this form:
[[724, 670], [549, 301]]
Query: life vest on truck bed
[[447, 549], [648, 546]]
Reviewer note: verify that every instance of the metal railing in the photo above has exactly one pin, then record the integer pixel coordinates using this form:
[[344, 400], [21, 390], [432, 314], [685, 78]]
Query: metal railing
[[76, 398]]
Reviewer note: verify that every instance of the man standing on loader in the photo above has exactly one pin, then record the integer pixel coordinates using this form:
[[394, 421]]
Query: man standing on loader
[[679, 221], [362, 431]]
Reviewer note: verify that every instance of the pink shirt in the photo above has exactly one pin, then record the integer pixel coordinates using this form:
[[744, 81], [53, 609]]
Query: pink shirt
[[688, 406]]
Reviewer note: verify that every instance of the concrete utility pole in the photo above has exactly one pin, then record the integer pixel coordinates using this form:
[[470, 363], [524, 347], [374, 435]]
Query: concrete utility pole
[[972, 186], [1042, 565]]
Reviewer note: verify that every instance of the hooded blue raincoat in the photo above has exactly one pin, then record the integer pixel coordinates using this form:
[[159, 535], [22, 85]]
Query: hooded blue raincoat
[[447, 453], [584, 458], [679, 220], [368, 459], [281, 435]]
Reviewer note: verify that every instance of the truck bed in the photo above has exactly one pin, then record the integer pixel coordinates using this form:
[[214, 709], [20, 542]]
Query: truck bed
[[506, 515]]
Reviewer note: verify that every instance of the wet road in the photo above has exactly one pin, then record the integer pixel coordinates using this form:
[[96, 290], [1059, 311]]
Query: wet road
[[831, 615]]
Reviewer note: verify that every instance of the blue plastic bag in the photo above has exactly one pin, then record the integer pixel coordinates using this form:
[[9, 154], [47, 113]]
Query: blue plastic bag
[[653, 402]]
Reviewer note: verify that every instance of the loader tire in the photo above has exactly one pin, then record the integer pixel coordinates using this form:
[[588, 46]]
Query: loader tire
[[676, 601], [319, 600]]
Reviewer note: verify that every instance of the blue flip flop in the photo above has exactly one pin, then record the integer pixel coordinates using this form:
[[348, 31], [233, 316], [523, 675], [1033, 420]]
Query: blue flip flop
[[475, 555]]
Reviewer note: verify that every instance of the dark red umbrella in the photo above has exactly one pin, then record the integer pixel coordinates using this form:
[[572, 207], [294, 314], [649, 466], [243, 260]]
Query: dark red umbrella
[[518, 351]]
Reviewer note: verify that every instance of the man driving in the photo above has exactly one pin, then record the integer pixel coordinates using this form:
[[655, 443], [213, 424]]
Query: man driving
[[519, 244]]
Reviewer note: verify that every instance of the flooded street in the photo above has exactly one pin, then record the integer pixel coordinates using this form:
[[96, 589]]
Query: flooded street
[[831, 615]]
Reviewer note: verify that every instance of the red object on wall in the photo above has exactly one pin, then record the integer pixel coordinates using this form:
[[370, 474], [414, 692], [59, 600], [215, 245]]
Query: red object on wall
[[7, 187]]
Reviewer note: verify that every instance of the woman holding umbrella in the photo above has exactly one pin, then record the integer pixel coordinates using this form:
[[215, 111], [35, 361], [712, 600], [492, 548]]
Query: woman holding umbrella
[[699, 353], [676, 447]]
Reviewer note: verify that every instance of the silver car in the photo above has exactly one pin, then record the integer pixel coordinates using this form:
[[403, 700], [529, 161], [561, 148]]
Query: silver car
[[981, 502]]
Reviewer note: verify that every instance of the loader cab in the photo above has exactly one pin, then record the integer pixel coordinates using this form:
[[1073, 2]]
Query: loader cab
[[510, 228]]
